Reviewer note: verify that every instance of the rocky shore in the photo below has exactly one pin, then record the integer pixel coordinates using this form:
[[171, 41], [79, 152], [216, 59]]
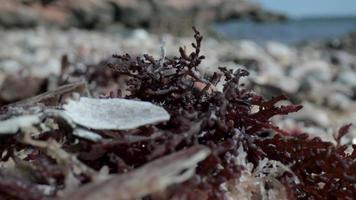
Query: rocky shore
[[347, 43], [320, 78], [153, 14]]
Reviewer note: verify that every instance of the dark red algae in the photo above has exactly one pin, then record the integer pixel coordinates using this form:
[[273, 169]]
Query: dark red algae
[[200, 115]]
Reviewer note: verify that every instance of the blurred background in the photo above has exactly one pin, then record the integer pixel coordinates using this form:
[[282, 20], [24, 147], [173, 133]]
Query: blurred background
[[304, 49]]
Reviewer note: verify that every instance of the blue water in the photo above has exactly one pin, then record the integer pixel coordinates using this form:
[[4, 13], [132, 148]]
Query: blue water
[[291, 31]]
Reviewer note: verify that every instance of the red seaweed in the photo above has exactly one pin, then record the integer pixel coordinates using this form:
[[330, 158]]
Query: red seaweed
[[200, 115]]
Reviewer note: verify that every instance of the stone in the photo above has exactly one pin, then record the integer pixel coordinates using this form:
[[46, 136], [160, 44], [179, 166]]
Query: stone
[[317, 69], [140, 34], [282, 53], [343, 59], [248, 49], [154, 14], [347, 78], [16, 87], [313, 114], [15, 14], [51, 67], [10, 66], [339, 101]]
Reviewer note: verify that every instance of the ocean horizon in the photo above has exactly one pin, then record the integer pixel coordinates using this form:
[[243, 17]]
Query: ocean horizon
[[292, 31]]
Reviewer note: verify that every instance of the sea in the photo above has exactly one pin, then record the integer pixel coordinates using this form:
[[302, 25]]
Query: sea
[[292, 31]]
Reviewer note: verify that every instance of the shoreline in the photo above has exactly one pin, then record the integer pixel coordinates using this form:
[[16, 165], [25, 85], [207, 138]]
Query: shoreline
[[292, 32]]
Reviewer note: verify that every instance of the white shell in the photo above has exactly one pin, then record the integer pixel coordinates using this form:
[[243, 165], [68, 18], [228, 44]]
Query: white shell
[[12, 125], [114, 114], [86, 134]]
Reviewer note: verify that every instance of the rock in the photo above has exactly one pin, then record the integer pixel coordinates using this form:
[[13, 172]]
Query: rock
[[15, 14], [140, 34], [10, 66], [282, 53], [256, 56], [51, 67], [324, 134], [90, 13], [135, 13], [288, 85], [346, 43], [153, 14], [327, 85], [338, 101], [237, 9], [319, 92], [16, 87], [343, 59], [312, 114], [231, 10], [2, 79], [347, 78], [249, 50], [317, 69]]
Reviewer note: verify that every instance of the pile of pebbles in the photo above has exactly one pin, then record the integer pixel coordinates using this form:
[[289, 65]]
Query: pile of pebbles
[[320, 78]]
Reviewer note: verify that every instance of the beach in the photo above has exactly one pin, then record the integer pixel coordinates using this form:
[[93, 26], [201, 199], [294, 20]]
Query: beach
[[317, 76], [198, 99]]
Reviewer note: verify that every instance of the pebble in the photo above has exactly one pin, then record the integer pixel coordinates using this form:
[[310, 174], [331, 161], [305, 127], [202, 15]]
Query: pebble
[[317, 69], [282, 53], [347, 78], [10, 66], [338, 101], [313, 114]]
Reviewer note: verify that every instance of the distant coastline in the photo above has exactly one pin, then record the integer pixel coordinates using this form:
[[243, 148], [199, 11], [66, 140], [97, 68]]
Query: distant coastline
[[292, 31], [330, 17]]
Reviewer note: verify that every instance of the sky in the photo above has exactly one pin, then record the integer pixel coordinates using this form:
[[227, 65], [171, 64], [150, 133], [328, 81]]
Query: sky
[[305, 8]]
